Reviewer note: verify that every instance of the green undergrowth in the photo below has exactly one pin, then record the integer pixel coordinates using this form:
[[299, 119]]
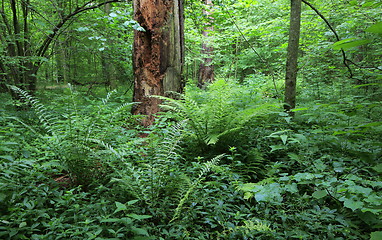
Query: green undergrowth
[[220, 163]]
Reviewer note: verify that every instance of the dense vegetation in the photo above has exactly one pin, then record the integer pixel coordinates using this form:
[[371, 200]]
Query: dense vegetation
[[224, 162]]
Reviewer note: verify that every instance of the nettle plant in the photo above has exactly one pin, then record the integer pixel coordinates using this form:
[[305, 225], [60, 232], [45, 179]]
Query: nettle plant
[[79, 138]]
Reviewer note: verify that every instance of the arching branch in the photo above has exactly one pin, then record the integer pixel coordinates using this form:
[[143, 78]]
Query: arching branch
[[85, 7], [345, 60]]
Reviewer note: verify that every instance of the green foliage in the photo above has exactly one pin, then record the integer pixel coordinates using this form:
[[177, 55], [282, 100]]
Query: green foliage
[[74, 136], [220, 111], [314, 176]]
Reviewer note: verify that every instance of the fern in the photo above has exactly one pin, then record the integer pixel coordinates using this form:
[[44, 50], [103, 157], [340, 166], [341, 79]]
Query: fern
[[74, 135], [206, 168], [47, 120], [217, 112]]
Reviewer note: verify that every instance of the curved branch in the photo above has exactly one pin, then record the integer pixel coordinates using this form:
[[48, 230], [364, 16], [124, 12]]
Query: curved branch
[[45, 45], [345, 60]]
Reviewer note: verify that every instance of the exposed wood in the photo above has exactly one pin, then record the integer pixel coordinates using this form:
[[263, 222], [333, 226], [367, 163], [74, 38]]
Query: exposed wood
[[158, 54]]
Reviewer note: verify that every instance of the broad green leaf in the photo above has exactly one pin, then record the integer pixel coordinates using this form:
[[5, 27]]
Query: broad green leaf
[[247, 187], [132, 202], [23, 224], [299, 109], [248, 195], [120, 207], [373, 124], [284, 138], [378, 168], [6, 149], [276, 147], [350, 43], [353, 205], [139, 231], [367, 84], [294, 157], [291, 188], [319, 194], [375, 28], [7, 157], [376, 235], [117, 220], [138, 217]]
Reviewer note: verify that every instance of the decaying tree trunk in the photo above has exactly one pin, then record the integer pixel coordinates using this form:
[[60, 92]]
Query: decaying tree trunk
[[206, 69], [291, 65], [158, 53]]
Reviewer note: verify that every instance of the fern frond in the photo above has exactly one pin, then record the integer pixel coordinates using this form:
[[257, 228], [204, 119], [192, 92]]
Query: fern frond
[[46, 119], [206, 168], [168, 148], [106, 146], [108, 96]]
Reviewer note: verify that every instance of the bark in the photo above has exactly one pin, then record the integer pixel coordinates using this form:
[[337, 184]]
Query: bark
[[158, 54], [206, 69], [292, 56]]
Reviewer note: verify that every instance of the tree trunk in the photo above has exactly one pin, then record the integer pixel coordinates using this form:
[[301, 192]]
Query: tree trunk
[[292, 56], [108, 69], [158, 53], [206, 69]]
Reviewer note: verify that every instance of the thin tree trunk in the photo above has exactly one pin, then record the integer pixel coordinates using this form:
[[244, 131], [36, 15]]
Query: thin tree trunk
[[206, 69], [292, 56], [108, 69], [158, 54]]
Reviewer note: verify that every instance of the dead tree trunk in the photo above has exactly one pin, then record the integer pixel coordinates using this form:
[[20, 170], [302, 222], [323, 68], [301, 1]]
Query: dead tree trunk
[[158, 53]]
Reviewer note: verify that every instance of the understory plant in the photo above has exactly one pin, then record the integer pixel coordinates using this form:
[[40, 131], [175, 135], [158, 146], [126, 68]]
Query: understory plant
[[76, 136], [323, 178], [221, 110]]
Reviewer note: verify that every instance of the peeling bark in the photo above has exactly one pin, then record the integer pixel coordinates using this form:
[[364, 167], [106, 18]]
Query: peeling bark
[[158, 53]]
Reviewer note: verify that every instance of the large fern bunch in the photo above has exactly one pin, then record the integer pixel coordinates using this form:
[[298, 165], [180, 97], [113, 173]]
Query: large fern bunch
[[224, 108], [75, 135]]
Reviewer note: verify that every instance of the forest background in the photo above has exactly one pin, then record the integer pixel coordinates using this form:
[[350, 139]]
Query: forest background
[[222, 159]]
